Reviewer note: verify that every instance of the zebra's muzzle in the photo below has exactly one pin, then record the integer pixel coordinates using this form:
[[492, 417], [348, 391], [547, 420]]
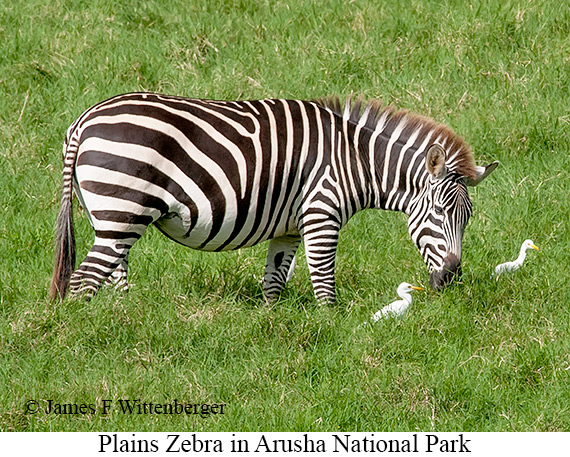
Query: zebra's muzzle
[[451, 268]]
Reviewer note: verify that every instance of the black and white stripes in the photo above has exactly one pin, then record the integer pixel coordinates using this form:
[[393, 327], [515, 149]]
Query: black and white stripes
[[217, 175]]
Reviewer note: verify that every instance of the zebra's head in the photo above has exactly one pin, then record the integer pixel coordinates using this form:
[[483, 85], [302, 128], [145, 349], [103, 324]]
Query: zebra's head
[[439, 216]]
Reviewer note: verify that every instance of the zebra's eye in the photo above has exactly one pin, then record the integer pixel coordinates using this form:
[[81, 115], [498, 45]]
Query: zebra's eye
[[438, 210]]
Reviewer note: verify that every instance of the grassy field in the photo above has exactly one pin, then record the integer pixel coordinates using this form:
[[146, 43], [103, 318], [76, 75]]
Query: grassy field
[[479, 356]]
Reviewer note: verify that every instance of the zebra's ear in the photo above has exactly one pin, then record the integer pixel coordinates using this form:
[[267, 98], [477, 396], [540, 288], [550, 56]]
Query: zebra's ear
[[482, 173], [435, 161]]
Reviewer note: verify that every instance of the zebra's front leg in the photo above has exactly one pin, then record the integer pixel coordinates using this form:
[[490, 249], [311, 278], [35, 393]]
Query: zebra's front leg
[[320, 248], [280, 263]]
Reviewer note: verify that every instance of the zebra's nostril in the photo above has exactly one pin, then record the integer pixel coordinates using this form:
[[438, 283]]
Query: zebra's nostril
[[451, 268]]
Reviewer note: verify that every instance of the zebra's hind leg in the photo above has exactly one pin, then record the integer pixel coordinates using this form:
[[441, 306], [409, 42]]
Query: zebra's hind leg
[[105, 257], [291, 269], [280, 264], [118, 278]]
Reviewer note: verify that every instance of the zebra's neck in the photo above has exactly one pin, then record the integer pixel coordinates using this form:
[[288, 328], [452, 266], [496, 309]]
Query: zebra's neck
[[393, 156], [390, 146]]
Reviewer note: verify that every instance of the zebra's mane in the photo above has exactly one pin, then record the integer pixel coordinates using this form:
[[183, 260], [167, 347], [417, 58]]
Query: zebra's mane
[[459, 154]]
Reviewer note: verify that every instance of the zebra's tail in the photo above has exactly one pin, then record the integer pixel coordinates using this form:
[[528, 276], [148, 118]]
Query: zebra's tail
[[64, 235]]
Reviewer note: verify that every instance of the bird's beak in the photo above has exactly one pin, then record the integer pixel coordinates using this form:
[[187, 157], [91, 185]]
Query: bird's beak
[[534, 247], [417, 288]]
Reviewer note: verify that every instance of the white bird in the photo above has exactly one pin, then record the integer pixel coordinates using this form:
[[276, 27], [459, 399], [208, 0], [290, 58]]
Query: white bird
[[509, 267], [399, 307]]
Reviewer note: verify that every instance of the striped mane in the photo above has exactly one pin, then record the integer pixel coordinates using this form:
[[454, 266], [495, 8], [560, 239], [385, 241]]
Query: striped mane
[[459, 154]]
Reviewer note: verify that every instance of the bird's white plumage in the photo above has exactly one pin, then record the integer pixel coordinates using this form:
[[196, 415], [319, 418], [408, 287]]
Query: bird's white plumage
[[399, 307], [509, 267]]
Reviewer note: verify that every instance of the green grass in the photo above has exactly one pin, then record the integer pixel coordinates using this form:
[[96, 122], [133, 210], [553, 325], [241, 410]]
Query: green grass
[[479, 356]]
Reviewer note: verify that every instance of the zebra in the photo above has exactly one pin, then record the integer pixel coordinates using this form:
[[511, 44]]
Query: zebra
[[222, 175]]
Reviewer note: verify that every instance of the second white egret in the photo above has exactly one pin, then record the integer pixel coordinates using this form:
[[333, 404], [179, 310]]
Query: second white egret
[[509, 267]]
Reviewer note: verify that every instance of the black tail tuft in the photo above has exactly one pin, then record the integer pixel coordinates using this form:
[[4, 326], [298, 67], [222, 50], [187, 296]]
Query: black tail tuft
[[64, 249]]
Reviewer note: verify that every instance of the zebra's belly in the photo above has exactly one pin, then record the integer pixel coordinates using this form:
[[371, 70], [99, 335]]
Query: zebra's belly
[[206, 236]]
